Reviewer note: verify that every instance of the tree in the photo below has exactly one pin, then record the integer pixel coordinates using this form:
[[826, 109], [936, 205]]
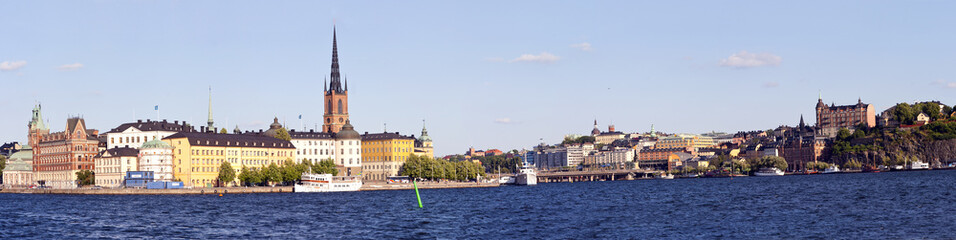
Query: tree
[[290, 172], [283, 134], [223, 131], [272, 173], [325, 166], [85, 177], [852, 164], [3, 163], [904, 113], [768, 162], [226, 173]]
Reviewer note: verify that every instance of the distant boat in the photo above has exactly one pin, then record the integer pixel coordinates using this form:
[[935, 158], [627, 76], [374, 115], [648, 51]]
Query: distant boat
[[327, 183], [526, 176], [506, 180], [917, 165], [690, 175], [832, 169], [766, 172], [665, 176]]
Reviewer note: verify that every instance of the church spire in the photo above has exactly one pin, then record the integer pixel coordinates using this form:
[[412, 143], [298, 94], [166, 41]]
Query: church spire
[[336, 84], [801, 121], [210, 122]]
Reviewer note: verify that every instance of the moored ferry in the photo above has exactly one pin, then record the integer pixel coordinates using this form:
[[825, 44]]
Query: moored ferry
[[327, 183], [766, 172]]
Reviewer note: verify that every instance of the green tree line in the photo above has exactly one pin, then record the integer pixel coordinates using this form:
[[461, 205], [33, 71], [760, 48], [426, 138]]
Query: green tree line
[[434, 169], [286, 174]]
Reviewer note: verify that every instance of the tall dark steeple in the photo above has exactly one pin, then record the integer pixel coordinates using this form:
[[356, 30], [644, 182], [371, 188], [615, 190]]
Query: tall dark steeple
[[336, 84]]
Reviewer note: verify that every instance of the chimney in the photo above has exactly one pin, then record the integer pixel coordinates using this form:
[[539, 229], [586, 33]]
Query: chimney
[[176, 122], [610, 128], [202, 128], [164, 120], [139, 121]]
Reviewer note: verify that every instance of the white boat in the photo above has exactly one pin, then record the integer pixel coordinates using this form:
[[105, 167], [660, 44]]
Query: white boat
[[506, 180], [832, 169], [665, 176], [766, 172], [327, 183], [917, 165], [526, 176]]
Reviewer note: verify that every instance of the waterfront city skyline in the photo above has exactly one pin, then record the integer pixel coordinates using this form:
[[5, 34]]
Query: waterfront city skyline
[[531, 70]]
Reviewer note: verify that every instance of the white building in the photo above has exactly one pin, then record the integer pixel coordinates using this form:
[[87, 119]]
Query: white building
[[112, 164], [157, 156], [577, 152], [614, 159], [344, 147], [135, 134]]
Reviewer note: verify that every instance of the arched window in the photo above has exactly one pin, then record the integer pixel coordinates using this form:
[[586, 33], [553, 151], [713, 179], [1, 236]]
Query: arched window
[[340, 106], [329, 107]]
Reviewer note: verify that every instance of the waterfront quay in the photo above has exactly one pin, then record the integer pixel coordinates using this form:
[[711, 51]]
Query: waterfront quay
[[141, 191]]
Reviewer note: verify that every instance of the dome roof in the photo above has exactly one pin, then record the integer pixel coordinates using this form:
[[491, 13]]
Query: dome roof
[[155, 143], [347, 132], [273, 128], [25, 153]]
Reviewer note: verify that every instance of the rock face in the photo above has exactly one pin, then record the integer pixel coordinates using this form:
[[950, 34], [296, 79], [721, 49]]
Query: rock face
[[898, 149]]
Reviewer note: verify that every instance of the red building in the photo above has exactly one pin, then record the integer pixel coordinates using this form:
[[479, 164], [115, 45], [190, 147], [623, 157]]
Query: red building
[[57, 157]]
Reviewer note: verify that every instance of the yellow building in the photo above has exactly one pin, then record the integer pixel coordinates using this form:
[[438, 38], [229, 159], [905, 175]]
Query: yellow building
[[423, 145], [383, 154], [685, 141], [197, 156]]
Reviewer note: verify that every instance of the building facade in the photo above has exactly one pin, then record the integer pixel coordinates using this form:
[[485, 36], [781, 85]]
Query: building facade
[[19, 170], [423, 145], [197, 156], [383, 154], [343, 147], [157, 156], [614, 159], [112, 164], [59, 156], [134, 134], [685, 141], [831, 118]]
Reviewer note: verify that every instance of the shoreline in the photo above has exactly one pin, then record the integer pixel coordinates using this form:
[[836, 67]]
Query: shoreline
[[377, 186]]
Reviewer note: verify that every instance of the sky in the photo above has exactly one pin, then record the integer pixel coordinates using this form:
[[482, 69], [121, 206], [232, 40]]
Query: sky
[[482, 74]]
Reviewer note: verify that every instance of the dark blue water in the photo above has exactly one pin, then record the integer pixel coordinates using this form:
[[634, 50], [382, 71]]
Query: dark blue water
[[844, 206]]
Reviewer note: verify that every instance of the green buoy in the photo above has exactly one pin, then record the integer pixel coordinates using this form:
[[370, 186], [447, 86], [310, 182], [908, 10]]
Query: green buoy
[[414, 183]]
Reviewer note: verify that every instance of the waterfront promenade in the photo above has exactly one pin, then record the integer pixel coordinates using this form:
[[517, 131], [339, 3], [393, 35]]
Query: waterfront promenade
[[372, 186]]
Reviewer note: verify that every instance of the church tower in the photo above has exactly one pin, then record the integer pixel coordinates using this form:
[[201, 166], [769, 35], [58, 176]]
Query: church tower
[[336, 97]]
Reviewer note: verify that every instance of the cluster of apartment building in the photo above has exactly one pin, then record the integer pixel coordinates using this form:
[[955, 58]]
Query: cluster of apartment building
[[177, 151], [798, 144]]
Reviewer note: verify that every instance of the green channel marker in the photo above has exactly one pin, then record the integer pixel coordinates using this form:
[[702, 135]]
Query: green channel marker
[[414, 183]]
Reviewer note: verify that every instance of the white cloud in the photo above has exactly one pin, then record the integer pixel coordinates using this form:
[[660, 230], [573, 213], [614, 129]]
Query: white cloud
[[771, 84], [544, 57], [70, 67], [583, 46], [11, 66], [504, 120], [946, 84], [744, 59]]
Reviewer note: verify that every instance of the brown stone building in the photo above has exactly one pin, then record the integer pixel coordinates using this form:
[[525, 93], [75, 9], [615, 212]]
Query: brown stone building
[[831, 118], [58, 156]]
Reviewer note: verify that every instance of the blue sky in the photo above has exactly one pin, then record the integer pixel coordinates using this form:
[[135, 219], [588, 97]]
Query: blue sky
[[488, 74]]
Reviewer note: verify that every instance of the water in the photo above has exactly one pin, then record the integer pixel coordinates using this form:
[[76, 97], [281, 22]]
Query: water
[[844, 206]]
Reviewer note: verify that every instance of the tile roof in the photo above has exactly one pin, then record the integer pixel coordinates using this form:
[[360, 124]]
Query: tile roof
[[119, 152], [231, 140], [155, 126], [384, 136]]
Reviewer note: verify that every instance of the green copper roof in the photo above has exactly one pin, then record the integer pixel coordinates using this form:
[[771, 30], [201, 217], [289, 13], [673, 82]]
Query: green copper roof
[[21, 160], [155, 143]]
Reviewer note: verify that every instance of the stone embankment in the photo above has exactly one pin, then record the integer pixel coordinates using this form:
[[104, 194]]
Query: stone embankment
[[138, 191], [372, 186]]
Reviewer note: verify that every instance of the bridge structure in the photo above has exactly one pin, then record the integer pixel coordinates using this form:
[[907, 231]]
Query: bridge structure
[[600, 175]]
